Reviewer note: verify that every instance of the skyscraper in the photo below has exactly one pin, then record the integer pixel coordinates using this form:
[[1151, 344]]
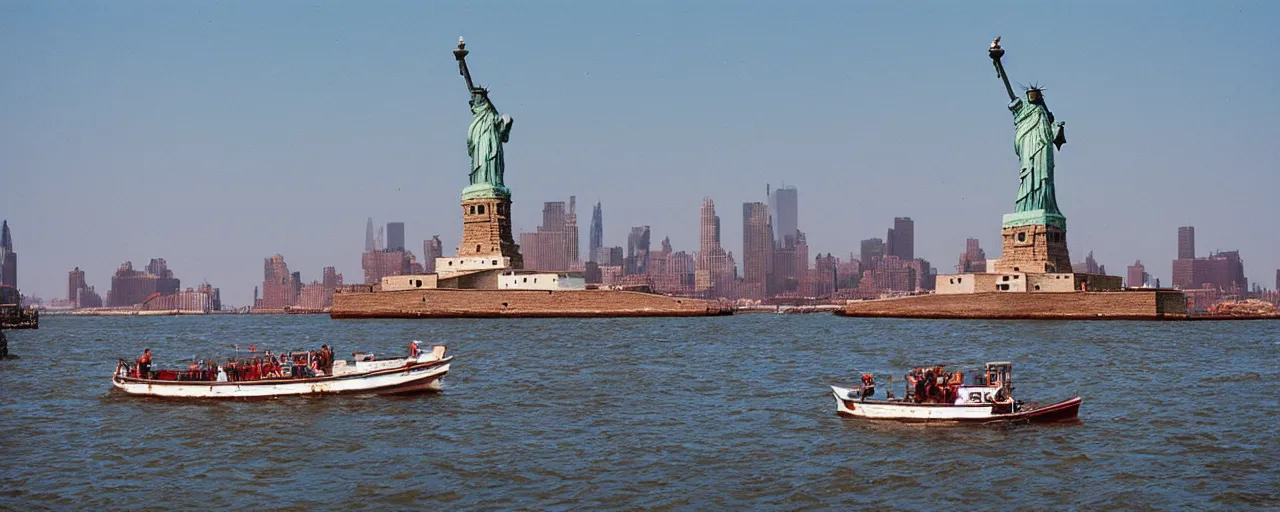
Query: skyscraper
[[279, 286], [871, 250], [75, 281], [574, 248], [784, 203], [595, 244], [165, 282], [757, 248], [712, 273], [901, 241], [638, 250], [368, 237], [973, 259], [130, 287], [431, 249], [79, 293], [1187, 243], [8, 258], [395, 236], [1136, 276], [553, 246]]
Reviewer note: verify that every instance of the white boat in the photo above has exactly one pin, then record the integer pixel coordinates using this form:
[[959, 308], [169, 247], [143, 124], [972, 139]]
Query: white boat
[[933, 397], [423, 372]]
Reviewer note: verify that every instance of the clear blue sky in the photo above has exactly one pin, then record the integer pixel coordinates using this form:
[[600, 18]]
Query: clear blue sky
[[215, 134]]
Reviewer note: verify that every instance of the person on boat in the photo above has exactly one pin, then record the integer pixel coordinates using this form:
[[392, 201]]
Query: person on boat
[[144, 364], [328, 359], [868, 385], [193, 371], [413, 349]]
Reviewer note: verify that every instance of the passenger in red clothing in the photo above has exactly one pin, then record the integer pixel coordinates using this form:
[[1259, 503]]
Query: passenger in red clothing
[[144, 364], [413, 349]]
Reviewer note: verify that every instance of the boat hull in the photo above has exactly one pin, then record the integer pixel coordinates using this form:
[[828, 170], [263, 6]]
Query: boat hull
[[1066, 410], [412, 377]]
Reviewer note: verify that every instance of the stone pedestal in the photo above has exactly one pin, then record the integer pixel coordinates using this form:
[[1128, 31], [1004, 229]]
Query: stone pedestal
[[1034, 242], [486, 229]]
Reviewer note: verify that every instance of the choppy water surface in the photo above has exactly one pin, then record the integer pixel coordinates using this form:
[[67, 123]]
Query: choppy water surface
[[720, 413]]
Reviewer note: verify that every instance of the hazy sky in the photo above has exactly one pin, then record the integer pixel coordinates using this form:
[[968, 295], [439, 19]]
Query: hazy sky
[[215, 134]]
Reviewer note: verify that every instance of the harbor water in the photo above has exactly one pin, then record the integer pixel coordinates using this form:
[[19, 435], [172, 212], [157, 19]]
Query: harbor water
[[672, 414]]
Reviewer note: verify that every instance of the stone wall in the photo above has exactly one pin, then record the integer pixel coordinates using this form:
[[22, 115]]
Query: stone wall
[[444, 303], [1136, 305], [409, 282], [486, 230], [1035, 249]]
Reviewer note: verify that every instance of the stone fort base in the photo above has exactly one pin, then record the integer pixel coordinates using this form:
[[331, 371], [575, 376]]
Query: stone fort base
[[486, 230]]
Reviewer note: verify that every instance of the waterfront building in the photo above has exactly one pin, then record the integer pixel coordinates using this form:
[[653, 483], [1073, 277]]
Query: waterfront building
[[75, 282], [79, 293], [1221, 270], [8, 258], [280, 288], [201, 300], [131, 287]]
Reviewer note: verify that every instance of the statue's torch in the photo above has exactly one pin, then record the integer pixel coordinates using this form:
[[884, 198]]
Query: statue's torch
[[460, 53], [996, 52]]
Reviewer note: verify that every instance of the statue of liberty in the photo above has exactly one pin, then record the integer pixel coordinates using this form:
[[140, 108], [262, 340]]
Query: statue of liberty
[[1034, 130], [485, 137]]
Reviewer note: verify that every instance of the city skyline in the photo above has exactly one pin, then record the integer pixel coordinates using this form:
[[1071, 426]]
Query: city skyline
[[203, 116]]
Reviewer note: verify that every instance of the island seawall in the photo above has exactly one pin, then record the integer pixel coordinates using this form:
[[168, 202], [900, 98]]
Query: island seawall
[[465, 303], [1108, 305]]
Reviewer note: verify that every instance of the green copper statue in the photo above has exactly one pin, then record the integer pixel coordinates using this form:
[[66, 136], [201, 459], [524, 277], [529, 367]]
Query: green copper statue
[[1034, 130], [488, 132]]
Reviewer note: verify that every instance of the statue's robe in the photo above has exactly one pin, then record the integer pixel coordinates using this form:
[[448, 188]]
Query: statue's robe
[[485, 137], [1034, 134]]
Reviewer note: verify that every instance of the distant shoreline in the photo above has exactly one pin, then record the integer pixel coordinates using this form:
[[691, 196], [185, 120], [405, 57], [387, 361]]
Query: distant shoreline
[[116, 312]]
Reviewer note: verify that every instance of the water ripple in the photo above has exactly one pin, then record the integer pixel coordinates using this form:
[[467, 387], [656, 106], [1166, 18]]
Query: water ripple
[[662, 414]]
